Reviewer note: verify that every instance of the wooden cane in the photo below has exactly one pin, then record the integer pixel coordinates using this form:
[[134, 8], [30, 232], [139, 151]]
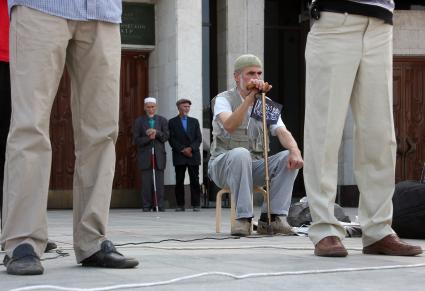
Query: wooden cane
[[266, 88], [266, 162]]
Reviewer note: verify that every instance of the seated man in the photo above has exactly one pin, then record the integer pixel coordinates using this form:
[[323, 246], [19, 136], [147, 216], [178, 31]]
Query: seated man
[[237, 152]]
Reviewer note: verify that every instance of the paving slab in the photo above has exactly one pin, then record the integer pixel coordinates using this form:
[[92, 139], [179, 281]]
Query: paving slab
[[276, 263]]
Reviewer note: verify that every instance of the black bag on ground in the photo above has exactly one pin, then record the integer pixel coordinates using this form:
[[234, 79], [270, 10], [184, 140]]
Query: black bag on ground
[[409, 209]]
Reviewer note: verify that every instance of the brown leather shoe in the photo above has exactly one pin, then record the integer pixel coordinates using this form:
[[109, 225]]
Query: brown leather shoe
[[391, 245], [330, 246]]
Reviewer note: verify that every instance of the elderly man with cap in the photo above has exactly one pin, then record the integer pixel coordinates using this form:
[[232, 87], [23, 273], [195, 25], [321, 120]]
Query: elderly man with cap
[[151, 131], [236, 152], [185, 140]]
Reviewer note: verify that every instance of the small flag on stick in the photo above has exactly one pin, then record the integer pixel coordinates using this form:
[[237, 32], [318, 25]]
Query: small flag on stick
[[273, 110]]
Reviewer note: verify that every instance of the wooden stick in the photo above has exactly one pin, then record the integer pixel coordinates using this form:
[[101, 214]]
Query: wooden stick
[[266, 161]]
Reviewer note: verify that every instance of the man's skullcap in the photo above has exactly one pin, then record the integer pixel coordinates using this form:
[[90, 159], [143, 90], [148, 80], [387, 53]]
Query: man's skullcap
[[150, 100], [247, 60]]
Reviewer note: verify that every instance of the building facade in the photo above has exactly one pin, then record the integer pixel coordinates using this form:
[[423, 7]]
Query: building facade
[[176, 49]]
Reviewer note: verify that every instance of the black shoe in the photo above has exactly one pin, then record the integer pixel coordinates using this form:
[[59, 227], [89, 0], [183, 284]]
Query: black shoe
[[153, 209], [109, 257], [160, 209], [24, 261], [50, 246], [146, 209], [180, 209]]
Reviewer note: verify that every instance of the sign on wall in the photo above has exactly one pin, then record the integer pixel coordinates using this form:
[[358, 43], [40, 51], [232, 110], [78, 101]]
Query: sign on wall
[[138, 24]]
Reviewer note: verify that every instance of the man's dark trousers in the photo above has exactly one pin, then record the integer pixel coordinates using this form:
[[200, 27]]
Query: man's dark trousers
[[195, 190], [5, 112], [180, 139]]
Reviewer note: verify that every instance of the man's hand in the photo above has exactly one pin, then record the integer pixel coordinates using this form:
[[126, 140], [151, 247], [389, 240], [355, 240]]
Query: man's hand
[[151, 133], [295, 160], [258, 85], [232, 120], [254, 87], [187, 152]]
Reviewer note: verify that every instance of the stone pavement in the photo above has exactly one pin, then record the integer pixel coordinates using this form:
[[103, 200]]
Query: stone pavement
[[164, 261]]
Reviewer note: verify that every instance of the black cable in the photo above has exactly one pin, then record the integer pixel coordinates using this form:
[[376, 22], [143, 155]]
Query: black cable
[[196, 239], [62, 254], [176, 240]]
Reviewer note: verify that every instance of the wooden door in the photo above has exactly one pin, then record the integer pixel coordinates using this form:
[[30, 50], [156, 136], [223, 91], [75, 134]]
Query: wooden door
[[134, 88], [409, 116]]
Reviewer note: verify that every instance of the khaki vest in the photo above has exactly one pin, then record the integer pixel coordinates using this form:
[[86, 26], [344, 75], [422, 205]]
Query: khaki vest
[[248, 135]]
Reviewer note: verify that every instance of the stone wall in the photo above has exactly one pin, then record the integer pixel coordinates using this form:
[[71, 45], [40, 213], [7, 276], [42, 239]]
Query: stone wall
[[240, 30], [175, 65], [409, 32]]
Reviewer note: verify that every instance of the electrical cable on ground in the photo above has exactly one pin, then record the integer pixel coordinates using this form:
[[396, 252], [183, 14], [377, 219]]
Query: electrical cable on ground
[[171, 240], [224, 274], [205, 248], [145, 244], [177, 240]]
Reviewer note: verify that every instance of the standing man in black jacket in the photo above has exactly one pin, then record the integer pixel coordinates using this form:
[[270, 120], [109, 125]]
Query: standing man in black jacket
[[151, 130], [185, 139]]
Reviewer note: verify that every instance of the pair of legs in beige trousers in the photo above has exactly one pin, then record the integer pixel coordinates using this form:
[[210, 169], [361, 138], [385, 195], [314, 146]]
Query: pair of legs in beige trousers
[[40, 46], [349, 62]]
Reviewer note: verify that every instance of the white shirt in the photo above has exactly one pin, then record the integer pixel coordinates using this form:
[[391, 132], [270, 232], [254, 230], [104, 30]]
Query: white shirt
[[223, 105]]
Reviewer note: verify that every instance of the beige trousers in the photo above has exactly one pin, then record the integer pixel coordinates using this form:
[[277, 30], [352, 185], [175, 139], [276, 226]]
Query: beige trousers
[[40, 46], [349, 62]]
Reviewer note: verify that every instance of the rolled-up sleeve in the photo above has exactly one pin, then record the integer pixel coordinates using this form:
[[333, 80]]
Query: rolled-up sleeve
[[221, 105], [273, 127]]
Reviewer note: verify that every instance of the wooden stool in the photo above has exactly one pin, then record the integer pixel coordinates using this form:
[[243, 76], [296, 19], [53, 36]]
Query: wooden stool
[[220, 193]]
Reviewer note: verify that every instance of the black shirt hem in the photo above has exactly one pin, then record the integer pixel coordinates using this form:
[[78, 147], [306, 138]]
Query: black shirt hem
[[341, 6]]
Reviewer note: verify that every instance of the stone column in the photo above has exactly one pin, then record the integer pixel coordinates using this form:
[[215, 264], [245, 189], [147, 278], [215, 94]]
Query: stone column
[[240, 28], [175, 65]]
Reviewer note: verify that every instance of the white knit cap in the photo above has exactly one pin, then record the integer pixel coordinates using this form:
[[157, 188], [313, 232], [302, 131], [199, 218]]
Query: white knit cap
[[150, 100], [247, 60]]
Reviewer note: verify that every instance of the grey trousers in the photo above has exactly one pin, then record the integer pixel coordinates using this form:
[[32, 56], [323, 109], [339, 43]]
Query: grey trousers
[[236, 170]]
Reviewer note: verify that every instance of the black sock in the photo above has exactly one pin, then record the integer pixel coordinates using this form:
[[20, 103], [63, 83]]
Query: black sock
[[263, 217], [245, 218]]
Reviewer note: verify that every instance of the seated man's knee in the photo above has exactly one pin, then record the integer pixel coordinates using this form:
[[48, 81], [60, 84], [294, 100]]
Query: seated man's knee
[[283, 161], [283, 156], [240, 155]]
